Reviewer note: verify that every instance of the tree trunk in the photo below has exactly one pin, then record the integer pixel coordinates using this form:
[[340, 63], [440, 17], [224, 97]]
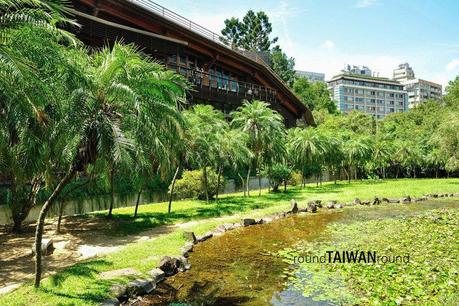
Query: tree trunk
[[259, 178], [59, 220], [320, 178], [349, 174], [41, 223], [137, 202], [218, 183], [112, 192], [206, 190], [303, 181], [317, 180], [248, 180], [171, 192], [243, 184], [21, 204], [285, 185], [436, 172]]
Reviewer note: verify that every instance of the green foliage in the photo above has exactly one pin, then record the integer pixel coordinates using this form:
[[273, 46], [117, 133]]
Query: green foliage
[[192, 184], [314, 95], [282, 65], [278, 174], [252, 33], [429, 278]]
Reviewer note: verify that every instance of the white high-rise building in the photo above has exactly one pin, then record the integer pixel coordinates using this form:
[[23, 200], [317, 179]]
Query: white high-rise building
[[418, 90], [403, 73]]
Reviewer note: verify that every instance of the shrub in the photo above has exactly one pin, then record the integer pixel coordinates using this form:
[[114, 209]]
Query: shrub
[[295, 179], [278, 174], [191, 185]]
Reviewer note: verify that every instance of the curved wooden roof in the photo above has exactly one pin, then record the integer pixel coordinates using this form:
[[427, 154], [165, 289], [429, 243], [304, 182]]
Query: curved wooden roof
[[151, 17]]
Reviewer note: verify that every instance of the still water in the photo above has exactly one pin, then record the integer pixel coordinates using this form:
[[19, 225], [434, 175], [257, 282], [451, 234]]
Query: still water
[[237, 269]]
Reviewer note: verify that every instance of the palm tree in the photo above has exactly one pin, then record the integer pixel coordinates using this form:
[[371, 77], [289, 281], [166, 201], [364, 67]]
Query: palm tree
[[305, 147], [357, 151], [262, 125], [36, 74], [123, 90], [205, 127]]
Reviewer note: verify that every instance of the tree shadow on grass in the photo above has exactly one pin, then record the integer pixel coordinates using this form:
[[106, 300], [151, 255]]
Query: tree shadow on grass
[[89, 269]]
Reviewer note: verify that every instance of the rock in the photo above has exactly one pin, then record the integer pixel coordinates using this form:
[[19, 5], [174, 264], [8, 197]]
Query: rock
[[302, 210], [140, 287], [205, 237], [237, 225], [47, 247], [318, 203], [111, 302], [118, 291], [357, 201], [294, 206], [190, 236], [330, 205], [225, 227], [376, 201], [455, 194], [118, 273], [312, 207], [267, 219], [393, 201], [365, 202], [157, 275], [187, 248], [248, 221], [169, 265], [385, 200], [183, 264], [405, 200], [339, 206], [261, 221]]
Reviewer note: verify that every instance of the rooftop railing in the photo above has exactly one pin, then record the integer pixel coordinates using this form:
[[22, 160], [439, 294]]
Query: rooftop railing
[[190, 25]]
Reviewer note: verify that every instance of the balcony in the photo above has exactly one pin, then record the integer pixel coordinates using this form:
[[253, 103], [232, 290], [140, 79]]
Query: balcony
[[217, 88]]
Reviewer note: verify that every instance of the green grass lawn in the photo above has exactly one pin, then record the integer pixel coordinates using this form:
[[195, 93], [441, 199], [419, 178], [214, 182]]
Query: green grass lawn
[[80, 285]]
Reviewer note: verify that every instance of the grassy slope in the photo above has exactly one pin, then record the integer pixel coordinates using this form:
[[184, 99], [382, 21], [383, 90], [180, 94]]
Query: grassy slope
[[79, 284]]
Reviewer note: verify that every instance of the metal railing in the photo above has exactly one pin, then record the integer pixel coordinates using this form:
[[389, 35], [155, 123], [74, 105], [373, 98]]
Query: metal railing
[[202, 79], [190, 25]]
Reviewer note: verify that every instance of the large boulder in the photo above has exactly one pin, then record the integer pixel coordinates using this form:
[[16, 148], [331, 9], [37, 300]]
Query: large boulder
[[294, 206], [171, 265], [248, 221], [187, 248], [157, 275], [139, 287], [312, 207], [47, 247]]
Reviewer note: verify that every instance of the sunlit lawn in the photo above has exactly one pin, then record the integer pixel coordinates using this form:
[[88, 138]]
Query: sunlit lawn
[[80, 285]]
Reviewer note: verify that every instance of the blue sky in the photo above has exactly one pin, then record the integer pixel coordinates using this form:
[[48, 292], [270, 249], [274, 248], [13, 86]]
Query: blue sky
[[324, 35]]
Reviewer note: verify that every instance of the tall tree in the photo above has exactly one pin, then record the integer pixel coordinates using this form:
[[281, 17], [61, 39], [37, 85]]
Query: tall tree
[[251, 34], [283, 65], [123, 89], [262, 125]]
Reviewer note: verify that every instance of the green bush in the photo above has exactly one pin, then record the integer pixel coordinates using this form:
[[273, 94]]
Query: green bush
[[279, 174], [296, 179], [191, 185]]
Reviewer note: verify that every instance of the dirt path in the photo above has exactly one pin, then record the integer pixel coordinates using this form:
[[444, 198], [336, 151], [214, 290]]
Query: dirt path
[[80, 238]]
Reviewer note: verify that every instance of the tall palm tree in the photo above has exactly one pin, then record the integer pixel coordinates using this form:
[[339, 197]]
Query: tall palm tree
[[304, 147], [123, 90], [262, 125], [205, 127], [36, 73], [357, 151]]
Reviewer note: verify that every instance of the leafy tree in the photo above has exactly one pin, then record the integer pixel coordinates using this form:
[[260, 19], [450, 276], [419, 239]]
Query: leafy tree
[[205, 127], [122, 89], [251, 34], [314, 95], [262, 125], [282, 65]]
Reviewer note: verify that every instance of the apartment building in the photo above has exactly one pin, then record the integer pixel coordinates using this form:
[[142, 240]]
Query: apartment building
[[373, 95], [311, 76]]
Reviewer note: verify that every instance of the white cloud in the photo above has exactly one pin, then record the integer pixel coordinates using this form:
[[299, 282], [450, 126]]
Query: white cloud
[[452, 65], [328, 44], [365, 3]]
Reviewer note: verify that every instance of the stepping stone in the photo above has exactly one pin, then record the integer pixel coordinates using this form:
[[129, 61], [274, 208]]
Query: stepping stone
[[119, 273]]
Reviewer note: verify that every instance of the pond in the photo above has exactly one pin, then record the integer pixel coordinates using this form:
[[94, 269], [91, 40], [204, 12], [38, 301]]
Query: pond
[[239, 268]]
